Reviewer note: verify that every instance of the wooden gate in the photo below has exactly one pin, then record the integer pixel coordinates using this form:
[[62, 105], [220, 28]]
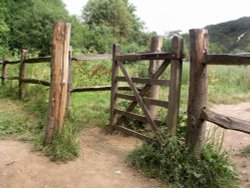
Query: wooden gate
[[138, 97]]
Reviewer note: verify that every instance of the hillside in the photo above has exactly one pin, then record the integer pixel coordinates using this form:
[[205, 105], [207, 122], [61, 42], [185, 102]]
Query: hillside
[[232, 36]]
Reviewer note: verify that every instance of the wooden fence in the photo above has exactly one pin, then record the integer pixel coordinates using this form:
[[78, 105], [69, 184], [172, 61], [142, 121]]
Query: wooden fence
[[198, 111], [140, 97]]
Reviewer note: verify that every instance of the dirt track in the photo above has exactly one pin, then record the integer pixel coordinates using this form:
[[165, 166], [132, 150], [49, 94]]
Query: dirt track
[[101, 164]]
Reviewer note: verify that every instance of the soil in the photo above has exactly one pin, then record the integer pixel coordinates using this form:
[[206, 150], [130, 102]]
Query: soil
[[102, 164]]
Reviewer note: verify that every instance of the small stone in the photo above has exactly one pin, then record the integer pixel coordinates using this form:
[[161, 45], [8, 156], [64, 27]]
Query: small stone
[[118, 172]]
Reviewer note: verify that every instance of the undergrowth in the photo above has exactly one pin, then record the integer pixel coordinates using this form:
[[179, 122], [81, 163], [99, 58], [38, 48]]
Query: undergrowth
[[178, 167]]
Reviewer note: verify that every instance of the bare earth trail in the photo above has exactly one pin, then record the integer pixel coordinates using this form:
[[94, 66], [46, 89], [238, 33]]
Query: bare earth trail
[[102, 163]]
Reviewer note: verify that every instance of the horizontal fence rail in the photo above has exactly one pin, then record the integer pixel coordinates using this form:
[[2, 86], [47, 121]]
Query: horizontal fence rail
[[211, 59], [225, 121]]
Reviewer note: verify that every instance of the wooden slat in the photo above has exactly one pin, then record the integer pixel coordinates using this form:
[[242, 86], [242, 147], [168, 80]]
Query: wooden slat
[[38, 60], [147, 101], [136, 117], [34, 81], [12, 78], [141, 103], [225, 121], [146, 56], [32, 60], [135, 134], [12, 62], [147, 87], [97, 88], [92, 57], [226, 59], [146, 81]]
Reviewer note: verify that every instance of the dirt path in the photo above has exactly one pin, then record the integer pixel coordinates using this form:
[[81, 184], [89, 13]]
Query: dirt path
[[101, 164]]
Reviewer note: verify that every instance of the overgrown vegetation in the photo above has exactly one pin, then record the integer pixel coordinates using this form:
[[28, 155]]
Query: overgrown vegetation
[[178, 167]]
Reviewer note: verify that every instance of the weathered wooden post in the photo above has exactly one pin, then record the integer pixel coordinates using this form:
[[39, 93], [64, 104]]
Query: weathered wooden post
[[59, 80], [175, 85], [197, 99], [69, 81], [114, 84], [22, 74], [4, 69], [154, 92]]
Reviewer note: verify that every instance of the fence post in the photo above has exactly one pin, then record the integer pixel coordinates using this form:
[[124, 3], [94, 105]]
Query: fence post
[[175, 85], [22, 74], [69, 81], [154, 92], [59, 80], [4, 69], [197, 99], [114, 85]]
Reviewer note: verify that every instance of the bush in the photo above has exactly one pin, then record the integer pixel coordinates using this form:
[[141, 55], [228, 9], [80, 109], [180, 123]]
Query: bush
[[177, 166]]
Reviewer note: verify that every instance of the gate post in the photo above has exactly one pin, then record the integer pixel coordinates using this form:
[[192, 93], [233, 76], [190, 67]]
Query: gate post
[[197, 99], [59, 80], [22, 74], [154, 92], [175, 85], [4, 69]]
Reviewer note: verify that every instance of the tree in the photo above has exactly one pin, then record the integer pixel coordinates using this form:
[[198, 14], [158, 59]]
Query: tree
[[114, 14], [4, 29], [31, 21]]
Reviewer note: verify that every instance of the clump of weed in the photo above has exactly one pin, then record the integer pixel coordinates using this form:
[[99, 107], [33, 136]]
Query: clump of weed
[[64, 147], [178, 167]]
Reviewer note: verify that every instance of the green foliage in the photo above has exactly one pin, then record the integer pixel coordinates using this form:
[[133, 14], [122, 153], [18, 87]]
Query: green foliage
[[177, 166], [33, 34], [111, 13]]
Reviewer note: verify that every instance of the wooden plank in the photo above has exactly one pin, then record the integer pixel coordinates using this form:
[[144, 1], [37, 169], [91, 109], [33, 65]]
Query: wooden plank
[[38, 60], [22, 75], [175, 86], [141, 103], [32, 61], [35, 81], [98, 88], [147, 101], [114, 85], [59, 80], [211, 59], [95, 57], [147, 56], [146, 88], [13, 62], [225, 121], [198, 87], [136, 117], [134, 134], [146, 81]]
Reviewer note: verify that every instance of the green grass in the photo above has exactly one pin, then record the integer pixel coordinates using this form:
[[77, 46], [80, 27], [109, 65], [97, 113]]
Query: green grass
[[178, 167], [226, 85]]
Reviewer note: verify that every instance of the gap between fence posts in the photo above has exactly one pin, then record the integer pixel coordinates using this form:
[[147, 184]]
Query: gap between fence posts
[[198, 86], [175, 85], [59, 80], [22, 75], [154, 92]]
